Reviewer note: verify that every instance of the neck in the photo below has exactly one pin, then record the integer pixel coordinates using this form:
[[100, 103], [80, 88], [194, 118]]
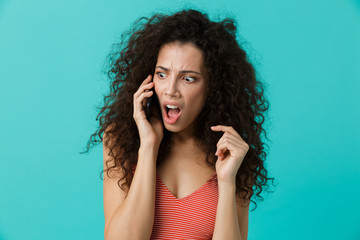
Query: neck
[[186, 148]]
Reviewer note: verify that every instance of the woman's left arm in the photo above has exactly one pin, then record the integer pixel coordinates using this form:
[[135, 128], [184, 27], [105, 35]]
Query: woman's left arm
[[232, 215]]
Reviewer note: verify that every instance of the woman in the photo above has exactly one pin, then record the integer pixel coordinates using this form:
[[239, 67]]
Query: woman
[[191, 165]]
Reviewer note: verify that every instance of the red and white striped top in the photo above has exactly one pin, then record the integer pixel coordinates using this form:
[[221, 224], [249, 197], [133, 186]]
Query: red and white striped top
[[190, 217]]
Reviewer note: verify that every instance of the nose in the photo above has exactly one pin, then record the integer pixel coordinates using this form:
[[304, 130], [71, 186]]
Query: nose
[[172, 88]]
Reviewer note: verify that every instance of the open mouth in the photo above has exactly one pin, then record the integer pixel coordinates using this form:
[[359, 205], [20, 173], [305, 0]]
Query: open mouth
[[171, 113]]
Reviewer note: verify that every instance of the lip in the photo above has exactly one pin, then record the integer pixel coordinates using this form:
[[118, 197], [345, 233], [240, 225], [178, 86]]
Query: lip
[[172, 103], [166, 117]]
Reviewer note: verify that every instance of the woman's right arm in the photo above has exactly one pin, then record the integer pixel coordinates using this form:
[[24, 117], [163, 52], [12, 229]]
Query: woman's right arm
[[132, 217]]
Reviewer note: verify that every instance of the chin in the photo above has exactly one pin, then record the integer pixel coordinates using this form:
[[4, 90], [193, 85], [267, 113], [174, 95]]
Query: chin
[[172, 128], [177, 128]]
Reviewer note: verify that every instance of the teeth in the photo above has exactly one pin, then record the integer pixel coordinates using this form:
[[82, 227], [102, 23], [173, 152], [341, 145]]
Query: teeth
[[171, 106]]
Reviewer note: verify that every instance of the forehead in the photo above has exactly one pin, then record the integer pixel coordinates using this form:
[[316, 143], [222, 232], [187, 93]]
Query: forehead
[[182, 54]]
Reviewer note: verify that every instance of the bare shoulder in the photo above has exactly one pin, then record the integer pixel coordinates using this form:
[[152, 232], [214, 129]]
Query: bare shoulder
[[113, 195]]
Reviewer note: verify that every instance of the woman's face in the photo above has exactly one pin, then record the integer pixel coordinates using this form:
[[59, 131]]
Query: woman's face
[[180, 84]]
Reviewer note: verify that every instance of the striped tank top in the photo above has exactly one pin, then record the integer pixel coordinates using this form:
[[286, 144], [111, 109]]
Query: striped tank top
[[190, 217]]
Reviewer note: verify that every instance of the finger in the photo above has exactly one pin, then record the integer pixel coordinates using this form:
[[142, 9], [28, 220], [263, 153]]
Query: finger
[[148, 98], [142, 96], [138, 103], [227, 144], [146, 80], [234, 149], [230, 148], [227, 135], [222, 152], [228, 129], [143, 88], [222, 155], [223, 128]]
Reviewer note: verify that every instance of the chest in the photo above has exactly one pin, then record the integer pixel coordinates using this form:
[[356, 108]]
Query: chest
[[183, 179]]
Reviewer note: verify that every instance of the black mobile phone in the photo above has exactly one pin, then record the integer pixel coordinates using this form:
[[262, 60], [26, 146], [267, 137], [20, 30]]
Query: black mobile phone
[[152, 107], [148, 106]]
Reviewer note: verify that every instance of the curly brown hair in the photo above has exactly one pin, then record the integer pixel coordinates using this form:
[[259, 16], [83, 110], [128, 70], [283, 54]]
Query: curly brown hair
[[236, 96]]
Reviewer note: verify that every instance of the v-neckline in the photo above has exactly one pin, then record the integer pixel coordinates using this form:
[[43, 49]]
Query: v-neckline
[[187, 196]]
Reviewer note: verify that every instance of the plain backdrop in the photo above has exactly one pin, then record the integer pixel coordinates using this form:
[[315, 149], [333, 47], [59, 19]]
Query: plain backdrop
[[52, 55]]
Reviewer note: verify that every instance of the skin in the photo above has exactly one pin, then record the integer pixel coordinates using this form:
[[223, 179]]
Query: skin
[[190, 91], [187, 89]]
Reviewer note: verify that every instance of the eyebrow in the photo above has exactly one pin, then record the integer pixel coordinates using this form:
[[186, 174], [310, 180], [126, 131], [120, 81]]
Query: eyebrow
[[182, 71]]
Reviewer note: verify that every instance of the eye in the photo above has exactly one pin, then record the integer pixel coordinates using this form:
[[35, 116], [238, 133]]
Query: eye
[[160, 74], [189, 79]]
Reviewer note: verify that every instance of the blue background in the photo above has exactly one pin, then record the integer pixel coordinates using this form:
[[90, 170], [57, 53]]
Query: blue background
[[51, 58]]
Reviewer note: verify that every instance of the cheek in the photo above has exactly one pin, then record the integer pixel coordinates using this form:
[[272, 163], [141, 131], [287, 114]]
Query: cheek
[[197, 100], [159, 88], [199, 94]]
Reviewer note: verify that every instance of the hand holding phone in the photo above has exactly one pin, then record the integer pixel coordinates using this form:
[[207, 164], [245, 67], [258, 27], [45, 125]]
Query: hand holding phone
[[145, 103]]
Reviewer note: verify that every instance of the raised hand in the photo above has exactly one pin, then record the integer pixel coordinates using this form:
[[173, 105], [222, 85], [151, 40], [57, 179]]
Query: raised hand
[[231, 151], [151, 133]]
